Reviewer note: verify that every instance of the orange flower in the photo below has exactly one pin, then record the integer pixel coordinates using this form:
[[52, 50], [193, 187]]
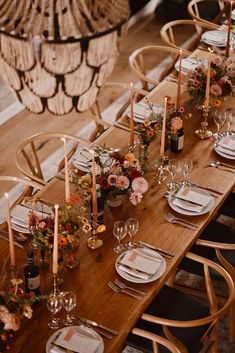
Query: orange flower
[[217, 103], [62, 241]]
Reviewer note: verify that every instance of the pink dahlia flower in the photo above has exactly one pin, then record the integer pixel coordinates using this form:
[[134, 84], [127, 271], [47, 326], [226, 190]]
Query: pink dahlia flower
[[122, 182], [135, 198], [215, 90], [140, 185]]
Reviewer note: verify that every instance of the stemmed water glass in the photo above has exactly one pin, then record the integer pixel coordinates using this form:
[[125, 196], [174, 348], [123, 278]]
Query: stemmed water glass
[[173, 168], [229, 117], [119, 231], [132, 229], [69, 303], [54, 305], [219, 120], [186, 167]]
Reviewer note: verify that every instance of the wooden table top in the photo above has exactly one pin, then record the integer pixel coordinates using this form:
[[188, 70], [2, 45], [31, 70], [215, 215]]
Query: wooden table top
[[95, 300]]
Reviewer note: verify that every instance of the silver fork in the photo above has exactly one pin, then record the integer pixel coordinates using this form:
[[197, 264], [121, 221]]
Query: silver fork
[[116, 289], [170, 215], [173, 221], [123, 286]]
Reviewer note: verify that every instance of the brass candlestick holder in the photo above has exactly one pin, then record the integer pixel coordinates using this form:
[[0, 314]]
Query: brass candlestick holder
[[204, 133], [160, 165], [93, 241]]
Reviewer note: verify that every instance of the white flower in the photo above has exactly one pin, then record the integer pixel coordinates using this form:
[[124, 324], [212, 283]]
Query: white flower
[[140, 185]]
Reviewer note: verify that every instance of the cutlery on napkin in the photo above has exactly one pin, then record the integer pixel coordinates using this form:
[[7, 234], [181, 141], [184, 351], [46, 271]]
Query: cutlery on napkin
[[138, 264], [190, 199]]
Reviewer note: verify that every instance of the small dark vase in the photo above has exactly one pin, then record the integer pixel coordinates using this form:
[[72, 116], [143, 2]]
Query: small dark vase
[[177, 141]]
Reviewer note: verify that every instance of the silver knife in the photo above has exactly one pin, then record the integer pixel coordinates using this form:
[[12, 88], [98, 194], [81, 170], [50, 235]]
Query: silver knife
[[205, 188], [95, 324], [165, 253]]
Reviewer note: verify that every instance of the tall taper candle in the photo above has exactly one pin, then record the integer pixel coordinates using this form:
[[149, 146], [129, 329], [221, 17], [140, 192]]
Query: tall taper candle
[[55, 243], [94, 197], [11, 240], [208, 79], [132, 138], [162, 146], [179, 81], [66, 171], [229, 29]]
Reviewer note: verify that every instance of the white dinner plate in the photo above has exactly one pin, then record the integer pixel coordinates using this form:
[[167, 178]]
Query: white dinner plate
[[134, 279], [223, 152], [81, 329], [217, 38], [189, 64], [186, 212], [20, 229], [233, 14], [20, 214], [141, 111]]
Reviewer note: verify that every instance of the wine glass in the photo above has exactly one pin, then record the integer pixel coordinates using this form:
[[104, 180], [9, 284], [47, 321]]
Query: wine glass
[[173, 168], [219, 120], [132, 229], [69, 303], [186, 167], [119, 231], [229, 117], [54, 305]]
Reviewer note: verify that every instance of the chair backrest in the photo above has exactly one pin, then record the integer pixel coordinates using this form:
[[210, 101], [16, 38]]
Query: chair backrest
[[34, 151], [142, 63], [193, 27], [119, 93], [207, 11], [17, 187], [216, 311], [156, 340]]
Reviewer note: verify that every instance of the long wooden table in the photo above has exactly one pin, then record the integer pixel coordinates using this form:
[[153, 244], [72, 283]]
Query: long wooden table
[[95, 300]]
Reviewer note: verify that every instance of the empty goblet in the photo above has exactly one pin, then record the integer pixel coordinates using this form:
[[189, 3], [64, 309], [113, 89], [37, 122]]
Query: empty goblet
[[132, 229], [54, 305], [69, 303], [119, 231]]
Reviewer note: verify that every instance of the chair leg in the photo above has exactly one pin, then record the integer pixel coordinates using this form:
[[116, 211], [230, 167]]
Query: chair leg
[[232, 323]]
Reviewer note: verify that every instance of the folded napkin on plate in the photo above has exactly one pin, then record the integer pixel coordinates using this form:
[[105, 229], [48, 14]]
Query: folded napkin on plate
[[140, 110], [55, 349], [218, 37], [191, 199], [78, 342], [22, 213], [227, 143], [139, 264]]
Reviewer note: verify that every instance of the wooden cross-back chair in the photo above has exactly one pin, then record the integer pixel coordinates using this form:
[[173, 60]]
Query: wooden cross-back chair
[[139, 62], [168, 35], [157, 341], [200, 10], [217, 243], [28, 159], [28, 187], [182, 318]]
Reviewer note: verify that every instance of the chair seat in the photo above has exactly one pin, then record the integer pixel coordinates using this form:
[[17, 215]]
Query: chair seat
[[217, 232], [172, 304]]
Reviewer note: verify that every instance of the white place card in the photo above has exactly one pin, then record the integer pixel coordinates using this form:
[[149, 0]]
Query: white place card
[[192, 195], [140, 262], [76, 341]]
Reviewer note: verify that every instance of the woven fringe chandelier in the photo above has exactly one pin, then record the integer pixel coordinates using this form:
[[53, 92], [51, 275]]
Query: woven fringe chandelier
[[56, 54]]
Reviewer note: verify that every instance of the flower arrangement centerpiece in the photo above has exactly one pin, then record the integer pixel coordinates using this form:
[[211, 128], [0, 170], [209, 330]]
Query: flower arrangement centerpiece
[[72, 220], [14, 305], [122, 175], [220, 82]]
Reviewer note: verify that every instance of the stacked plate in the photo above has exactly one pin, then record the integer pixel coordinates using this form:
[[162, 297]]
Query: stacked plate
[[140, 265], [142, 111], [20, 215], [217, 38], [75, 339], [226, 147], [82, 160], [233, 14], [189, 64], [191, 201]]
